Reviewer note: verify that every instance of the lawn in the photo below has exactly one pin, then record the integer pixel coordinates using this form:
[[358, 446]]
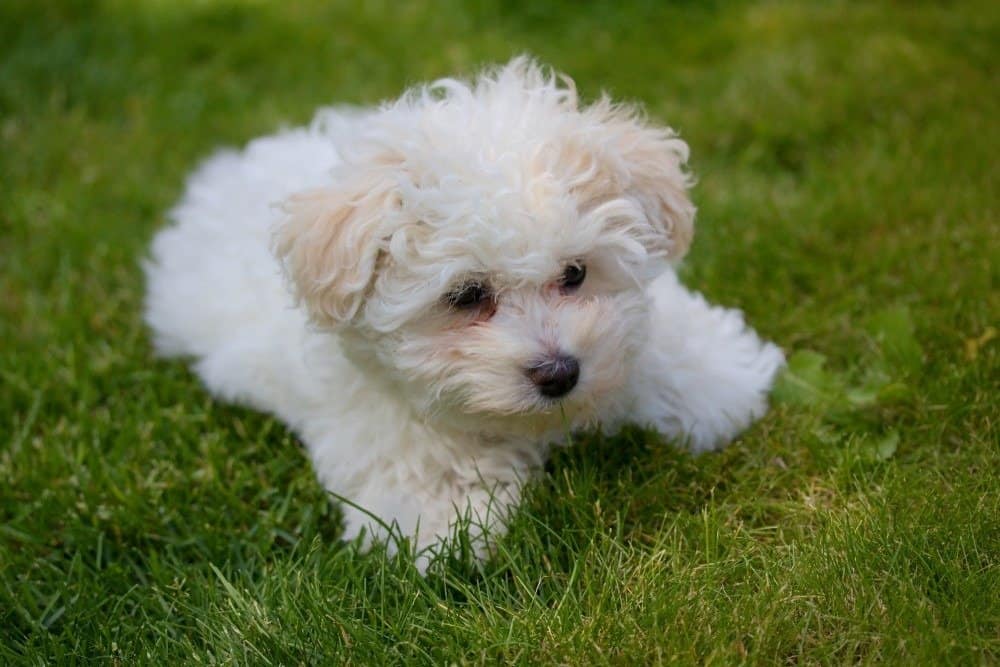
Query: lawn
[[848, 202]]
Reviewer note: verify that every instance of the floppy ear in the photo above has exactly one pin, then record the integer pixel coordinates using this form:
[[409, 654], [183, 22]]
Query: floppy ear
[[329, 244], [654, 159], [647, 165]]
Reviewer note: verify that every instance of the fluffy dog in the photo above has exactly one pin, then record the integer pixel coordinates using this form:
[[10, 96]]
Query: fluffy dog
[[432, 292]]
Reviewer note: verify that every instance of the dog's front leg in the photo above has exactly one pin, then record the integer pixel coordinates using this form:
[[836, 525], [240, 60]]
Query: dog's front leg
[[391, 499]]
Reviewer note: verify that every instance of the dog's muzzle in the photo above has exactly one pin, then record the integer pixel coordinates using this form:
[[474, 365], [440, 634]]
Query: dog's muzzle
[[554, 377]]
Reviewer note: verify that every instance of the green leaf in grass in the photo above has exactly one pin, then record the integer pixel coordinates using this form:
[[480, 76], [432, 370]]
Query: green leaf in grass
[[805, 381], [886, 446], [895, 336]]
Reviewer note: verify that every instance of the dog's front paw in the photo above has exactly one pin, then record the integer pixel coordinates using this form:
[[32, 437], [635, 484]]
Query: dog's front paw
[[460, 519]]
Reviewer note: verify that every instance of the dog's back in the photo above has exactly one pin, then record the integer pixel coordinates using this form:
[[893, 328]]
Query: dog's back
[[215, 291]]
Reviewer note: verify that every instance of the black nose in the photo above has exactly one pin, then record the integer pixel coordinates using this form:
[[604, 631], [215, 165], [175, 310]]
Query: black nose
[[555, 377]]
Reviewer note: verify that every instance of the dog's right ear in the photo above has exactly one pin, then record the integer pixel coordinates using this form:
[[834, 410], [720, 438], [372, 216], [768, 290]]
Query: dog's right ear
[[329, 243]]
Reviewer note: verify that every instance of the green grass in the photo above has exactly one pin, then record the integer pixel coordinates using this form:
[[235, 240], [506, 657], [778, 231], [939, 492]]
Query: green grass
[[848, 196]]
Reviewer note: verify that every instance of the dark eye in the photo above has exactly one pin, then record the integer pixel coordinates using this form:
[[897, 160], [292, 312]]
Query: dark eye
[[573, 275], [469, 295]]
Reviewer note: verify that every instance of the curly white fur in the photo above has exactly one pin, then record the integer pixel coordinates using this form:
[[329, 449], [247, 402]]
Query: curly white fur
[[308, 276]]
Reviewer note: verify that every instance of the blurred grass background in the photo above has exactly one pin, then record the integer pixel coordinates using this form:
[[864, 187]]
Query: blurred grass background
[[846, 155]]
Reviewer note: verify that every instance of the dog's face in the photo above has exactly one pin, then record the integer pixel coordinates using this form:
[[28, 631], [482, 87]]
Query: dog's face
[[485, 248]]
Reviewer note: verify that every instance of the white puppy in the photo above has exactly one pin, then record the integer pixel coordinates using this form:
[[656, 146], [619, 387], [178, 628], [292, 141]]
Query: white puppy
[[433, 292]]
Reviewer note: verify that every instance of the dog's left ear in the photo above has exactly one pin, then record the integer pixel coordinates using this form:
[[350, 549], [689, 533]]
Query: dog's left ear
[[647, 162], [660, 185]]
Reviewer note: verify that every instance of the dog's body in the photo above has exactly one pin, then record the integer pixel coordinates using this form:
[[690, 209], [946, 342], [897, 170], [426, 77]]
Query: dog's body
[[438, 336]]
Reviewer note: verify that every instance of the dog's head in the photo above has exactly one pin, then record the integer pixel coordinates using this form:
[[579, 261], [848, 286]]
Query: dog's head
[[485, 246]]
